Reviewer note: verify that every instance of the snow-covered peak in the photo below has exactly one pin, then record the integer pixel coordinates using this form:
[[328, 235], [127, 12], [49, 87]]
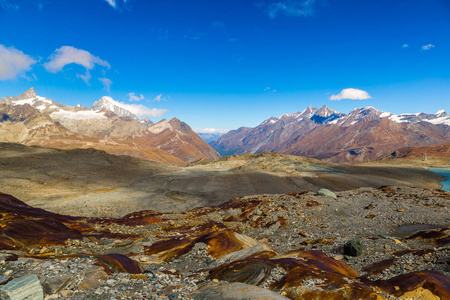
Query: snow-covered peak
[[110, 104], [308, 112], [362, 114], [441, 113], [325, 111]]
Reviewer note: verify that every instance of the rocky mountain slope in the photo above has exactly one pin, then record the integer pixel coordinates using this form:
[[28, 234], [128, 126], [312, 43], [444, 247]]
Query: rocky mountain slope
[[357, 244], [363, 135], [34, 120]]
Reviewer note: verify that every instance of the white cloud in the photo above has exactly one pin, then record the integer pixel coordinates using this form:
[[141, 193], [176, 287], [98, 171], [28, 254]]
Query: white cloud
[[116, 3], [291, 8], [428, 47], [69, 55], [211, 130], [13, 63], [112, 3], [133, 97], [106, 83], [138, 109], [158, 98], [405, 46], [352, 94]]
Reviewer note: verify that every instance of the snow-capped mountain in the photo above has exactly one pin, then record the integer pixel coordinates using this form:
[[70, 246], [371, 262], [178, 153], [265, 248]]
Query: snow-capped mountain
[[364, 133], [54, 109], [108, 103], [34, 120]]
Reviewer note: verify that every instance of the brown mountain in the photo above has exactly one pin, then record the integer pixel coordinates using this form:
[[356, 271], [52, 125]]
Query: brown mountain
[[441, 151], [33, 120], [364, 134]]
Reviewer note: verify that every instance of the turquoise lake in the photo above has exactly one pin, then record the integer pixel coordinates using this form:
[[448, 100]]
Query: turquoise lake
[[446, 173]]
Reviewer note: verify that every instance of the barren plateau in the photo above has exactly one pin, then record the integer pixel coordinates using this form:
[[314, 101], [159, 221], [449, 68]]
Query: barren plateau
[[90, 182]]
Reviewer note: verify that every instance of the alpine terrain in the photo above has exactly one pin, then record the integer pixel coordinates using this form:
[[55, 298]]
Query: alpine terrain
[[34, 120], [364, 134]]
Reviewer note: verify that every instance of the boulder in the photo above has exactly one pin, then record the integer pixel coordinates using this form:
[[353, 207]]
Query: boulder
[[26, 287], [353, 248], [327, 193], [233, 291], [53, 285]]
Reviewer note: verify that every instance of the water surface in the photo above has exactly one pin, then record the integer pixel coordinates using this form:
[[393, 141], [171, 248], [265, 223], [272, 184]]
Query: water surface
[[444, 172]]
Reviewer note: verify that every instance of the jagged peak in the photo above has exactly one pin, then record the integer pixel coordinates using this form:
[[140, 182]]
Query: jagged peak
[[31, 93]]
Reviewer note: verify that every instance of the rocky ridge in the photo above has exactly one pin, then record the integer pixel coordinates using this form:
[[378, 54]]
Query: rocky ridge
[[365, 134], [286, 246], [34, 120]]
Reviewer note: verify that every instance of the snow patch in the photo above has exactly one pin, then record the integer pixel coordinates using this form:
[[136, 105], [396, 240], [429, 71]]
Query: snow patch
[[437, 121], [77, 115], [24, 101], [385, 114], [398, 119]]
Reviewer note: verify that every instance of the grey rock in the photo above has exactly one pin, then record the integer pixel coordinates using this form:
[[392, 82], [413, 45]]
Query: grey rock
[[353, 248], [326, 192], [26, 287], [4, 279], [53, 285], [4, 257], [233, 291]]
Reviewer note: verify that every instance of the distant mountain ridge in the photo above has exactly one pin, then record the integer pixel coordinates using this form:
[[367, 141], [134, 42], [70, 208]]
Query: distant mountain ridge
[[34, 120], [106, 103], [363, 134]]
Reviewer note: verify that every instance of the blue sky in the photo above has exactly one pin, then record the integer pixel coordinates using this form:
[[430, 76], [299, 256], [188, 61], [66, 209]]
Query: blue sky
[[226, 64]]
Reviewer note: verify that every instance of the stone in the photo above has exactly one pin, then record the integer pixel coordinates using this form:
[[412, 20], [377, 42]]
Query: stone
[[89, 284], [96, 272], [4, 279], [26, 287], [243, 254], [4, 257], [64, 293], [326, 192], [233, 291], [92, 277], [53, 285], [353, 248]]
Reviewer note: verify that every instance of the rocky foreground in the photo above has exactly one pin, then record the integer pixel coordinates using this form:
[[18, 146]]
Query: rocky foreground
[[388, 243]]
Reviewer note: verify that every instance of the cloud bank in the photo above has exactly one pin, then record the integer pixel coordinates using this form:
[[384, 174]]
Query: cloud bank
[[13, 63], [352, 94], [138, 109], [70, 55]]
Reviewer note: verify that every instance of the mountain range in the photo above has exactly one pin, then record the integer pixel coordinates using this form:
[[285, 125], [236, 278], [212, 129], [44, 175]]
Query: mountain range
[[34, 120], [363, 134]]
